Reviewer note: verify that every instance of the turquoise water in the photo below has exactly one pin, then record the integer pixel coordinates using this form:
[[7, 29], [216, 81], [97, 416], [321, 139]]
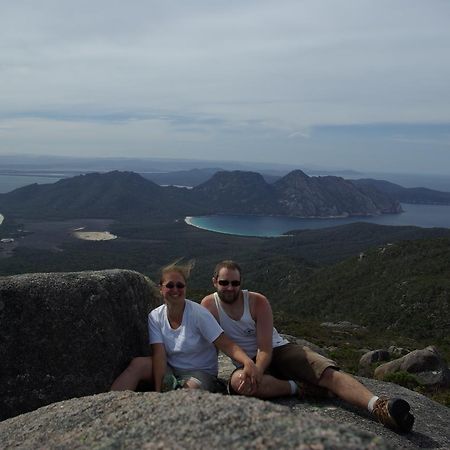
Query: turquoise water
[[426, 216]]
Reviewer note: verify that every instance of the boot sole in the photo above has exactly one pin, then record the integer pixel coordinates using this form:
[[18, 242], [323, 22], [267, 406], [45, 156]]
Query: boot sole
[[399, 411]]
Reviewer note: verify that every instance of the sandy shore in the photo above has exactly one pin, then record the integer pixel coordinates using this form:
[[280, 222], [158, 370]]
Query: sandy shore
[[94, 235], [188, 220], [1, 219]]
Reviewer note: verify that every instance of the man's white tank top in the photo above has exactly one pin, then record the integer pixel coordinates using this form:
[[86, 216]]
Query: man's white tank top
[[243, 331]]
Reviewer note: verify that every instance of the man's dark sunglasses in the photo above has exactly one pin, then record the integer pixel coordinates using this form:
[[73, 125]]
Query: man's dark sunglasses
[[171, 285], [233, 283]]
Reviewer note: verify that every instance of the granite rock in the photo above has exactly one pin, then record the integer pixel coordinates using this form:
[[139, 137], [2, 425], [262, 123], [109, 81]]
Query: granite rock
[[65, 335]]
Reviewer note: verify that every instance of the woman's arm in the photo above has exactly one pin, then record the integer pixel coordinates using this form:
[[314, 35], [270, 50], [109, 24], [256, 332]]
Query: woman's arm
[[159, 365], [250, 371]]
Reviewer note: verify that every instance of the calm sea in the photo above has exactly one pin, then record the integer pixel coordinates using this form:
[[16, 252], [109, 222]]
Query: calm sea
[[11, 182], [426, 216]]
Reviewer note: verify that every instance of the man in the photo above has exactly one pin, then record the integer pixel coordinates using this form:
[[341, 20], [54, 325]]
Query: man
[[285, 368]]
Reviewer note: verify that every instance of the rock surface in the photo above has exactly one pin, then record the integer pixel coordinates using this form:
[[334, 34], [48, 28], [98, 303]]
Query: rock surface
[[178, 419], [194, 419], [65, 335]]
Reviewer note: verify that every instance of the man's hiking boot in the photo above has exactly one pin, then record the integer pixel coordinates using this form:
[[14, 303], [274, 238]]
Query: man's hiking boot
[[394, 413], [309, 391]]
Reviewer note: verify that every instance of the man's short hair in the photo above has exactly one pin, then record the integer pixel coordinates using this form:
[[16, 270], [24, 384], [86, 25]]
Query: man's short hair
[[227, 264]]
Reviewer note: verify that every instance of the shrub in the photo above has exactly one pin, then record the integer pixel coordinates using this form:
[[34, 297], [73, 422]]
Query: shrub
[[402, 378]]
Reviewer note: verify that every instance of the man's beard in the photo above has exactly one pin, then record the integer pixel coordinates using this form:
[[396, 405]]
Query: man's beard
[[229, 297]]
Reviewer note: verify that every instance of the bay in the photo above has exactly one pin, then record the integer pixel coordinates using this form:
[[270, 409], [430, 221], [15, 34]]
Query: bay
[[426, 216]]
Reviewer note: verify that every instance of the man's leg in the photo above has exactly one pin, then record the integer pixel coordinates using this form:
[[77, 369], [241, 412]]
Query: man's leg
[[345, 387], [301, 363], [140, 369], [393, 413]]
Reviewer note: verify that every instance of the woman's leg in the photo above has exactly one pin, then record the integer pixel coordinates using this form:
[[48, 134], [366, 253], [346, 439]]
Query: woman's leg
[[140, 369]]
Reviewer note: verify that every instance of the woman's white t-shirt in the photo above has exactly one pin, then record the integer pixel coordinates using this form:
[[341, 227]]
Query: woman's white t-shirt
[[190, 346]]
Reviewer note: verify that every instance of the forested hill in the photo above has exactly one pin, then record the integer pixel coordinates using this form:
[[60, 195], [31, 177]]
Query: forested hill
[[402, 286], [119, 194], [107, 195], [418, 195]]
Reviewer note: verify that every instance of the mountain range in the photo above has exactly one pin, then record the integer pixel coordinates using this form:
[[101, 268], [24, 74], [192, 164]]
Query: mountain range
[[420, 195], [127, 194]]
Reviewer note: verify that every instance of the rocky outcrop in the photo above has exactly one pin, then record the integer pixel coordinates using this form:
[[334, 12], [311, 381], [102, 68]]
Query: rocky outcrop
[[301, 195], [193, 419], [427, 365], [371, 357], [342, 325], [66, 335]]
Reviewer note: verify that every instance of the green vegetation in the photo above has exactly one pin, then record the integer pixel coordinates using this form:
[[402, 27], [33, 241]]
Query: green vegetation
[[402, 378], [404, 287], [399, 289]]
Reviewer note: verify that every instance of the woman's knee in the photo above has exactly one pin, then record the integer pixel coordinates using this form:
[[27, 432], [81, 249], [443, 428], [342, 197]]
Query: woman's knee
[[141, 366]]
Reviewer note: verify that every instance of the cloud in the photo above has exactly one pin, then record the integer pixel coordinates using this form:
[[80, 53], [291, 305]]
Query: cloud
[[233, 71]]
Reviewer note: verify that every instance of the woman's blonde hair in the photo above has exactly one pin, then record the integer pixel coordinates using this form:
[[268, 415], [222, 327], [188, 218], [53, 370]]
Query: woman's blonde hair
[[183, 269]]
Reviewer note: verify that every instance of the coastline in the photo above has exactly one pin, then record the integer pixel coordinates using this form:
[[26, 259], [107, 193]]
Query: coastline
[[2, 218], [425, 216], [188, 221]]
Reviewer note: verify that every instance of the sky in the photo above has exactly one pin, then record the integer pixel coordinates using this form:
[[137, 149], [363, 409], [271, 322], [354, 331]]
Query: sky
[[349, 84]]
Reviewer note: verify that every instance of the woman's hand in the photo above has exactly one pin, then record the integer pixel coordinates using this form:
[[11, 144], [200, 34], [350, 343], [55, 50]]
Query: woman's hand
[[250, 377]]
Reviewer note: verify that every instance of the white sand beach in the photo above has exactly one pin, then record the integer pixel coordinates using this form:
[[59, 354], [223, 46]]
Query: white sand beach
[[188, 220], [94, 235]]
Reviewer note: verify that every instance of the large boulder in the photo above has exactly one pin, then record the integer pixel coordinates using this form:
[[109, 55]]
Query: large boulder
[[427, 365], [65, 335], [372, 357]]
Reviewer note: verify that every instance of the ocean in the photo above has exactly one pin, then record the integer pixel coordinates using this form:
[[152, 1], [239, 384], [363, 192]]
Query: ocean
[[426, 216], [10, 182]]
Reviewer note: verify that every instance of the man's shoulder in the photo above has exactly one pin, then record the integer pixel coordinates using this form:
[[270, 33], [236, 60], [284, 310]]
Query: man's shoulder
[[259, 305], [257, 297], [209, 303]]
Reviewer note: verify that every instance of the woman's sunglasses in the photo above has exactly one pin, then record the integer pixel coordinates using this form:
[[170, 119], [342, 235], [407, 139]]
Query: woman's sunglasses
[[171, 285], [233, 283]]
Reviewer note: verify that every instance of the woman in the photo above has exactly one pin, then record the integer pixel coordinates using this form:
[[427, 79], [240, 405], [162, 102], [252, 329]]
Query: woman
[[184, 337]]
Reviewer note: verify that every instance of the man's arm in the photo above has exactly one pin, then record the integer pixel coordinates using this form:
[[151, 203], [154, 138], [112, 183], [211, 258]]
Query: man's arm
[[262, 314]]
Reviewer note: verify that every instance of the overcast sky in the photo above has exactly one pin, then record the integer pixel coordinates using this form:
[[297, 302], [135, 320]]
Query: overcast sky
[[351, 84]]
